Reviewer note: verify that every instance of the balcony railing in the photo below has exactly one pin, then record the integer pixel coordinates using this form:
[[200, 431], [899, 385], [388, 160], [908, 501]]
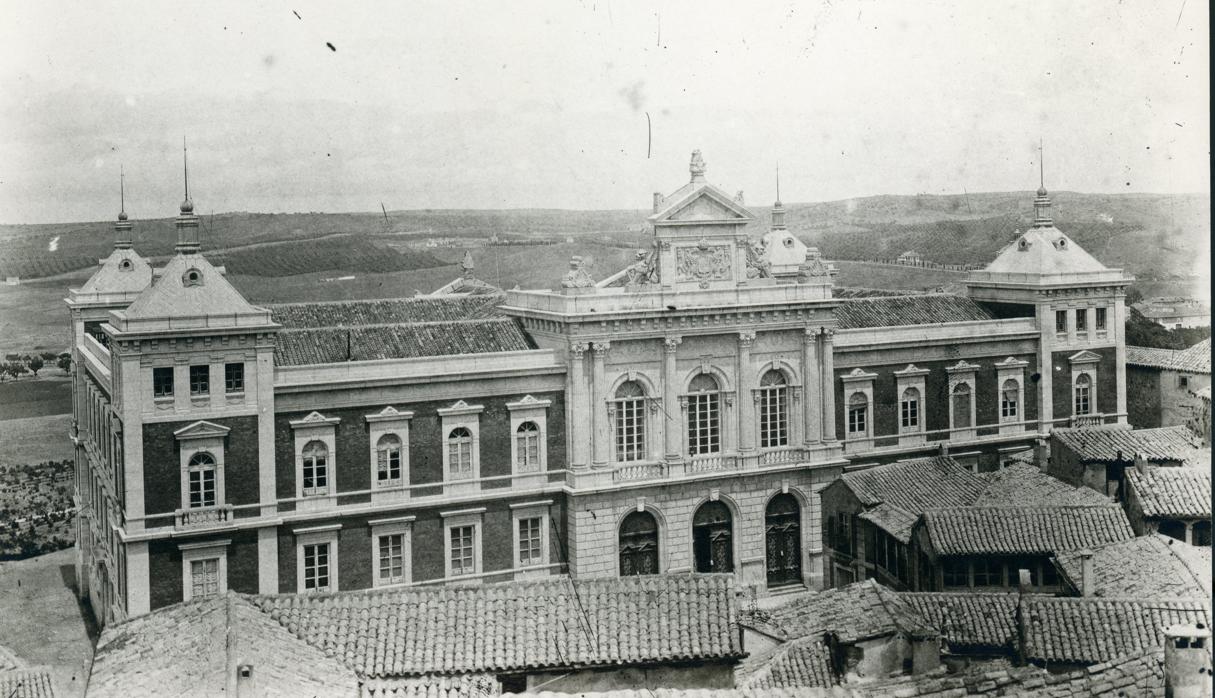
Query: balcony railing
[[202, 516], [1087, 420], [639, 471], [782, 456], [711, 464]]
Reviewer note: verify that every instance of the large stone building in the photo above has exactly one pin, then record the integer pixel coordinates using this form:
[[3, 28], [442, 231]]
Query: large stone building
[[681, 415]]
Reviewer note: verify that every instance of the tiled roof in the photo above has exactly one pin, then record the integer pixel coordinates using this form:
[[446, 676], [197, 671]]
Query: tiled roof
[[1196, 359], [897, 311], [29, 682], [462, 686], [194, 647], [895, 494], [1058, 629], [856, 612], [337, 344], [1016, 530], [550, 623], [802, 662], [386, 311], [1100, 444], [1144, 567], [1019, 483], [842, 292], [1172, 492]]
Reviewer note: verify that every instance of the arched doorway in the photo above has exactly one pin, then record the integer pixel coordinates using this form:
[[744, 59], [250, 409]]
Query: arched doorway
[[783, 540], [712, 538], [638, 544]]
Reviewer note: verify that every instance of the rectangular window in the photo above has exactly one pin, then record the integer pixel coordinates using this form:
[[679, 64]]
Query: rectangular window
[[1183, 381], [531, 541], [316, 567], [909, 413], [200, 380], [234, 378], [463, 544], [162, 382], [1060, 321], [527, 448], [857, 420], [989, 573], [1100, 319], [204, 577], [774, 417], [202, 487], [844, 530], [956, 573], [459, 458], [704, 426], [1082, 319], [392, 559], [630, 429]]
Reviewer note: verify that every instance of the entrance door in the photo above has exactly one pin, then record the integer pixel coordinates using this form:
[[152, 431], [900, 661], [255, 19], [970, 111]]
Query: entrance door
[[783, 532], [712, 539]]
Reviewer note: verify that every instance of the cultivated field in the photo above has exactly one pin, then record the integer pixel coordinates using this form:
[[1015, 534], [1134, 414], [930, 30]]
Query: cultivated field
[[36, 397], [35, 439]]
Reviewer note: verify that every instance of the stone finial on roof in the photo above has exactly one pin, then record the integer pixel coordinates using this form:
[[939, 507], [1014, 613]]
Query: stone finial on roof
[[187, 222], [1042, 217], [577, 276], [122, 229], [697, 167]]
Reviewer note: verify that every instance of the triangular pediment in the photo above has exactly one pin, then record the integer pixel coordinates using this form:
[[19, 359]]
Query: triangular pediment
[[314, 419], [1084, 357], [963, 366], [201, 430], [704, 204]]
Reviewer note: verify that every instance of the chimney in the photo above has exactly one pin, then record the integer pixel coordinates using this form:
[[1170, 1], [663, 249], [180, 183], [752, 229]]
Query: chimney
[[1141, 465], [1088, 579], [658, 199], [244, 681], [1024, 581], [1187, 661]]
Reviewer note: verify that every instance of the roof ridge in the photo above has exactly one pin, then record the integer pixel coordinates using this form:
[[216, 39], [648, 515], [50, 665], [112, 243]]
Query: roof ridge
[[396, 299], [411, 323]]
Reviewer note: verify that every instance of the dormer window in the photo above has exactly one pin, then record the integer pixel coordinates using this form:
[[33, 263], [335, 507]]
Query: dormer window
[[125, 265], [1061, 244], [1023, 244], [192, 277]]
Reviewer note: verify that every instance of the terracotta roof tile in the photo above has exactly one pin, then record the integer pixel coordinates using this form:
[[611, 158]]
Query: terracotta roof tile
[[1100, 444], [514, 626], [855, 612], [1145, 566], [337, 345], [1195, 359], [1171, 492], [898, 311], [1019, 483], [462, 686], [386, 311], [1058, 629], [1015, 530], [802, 662], [29, 682], [915, 485]]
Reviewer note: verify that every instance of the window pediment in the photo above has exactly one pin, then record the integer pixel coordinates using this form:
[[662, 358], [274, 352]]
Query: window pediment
[[528, 402], [460, 407], [1084, 357], [911, 371], [858, 374], [388, 414], [201, 430], [963, 366], [1011, 362], [314, 419]]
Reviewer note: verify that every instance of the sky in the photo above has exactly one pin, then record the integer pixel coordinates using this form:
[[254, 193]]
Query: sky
[[589, 104]]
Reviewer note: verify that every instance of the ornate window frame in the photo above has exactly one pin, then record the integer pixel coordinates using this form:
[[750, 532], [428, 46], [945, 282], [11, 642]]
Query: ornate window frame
[[197, 552], [793, 403], [456, 519], [859, 381], [314, 535], [911, 377], [528, 409], [201, 437], [316, 427], [383, 423], [531, 510], [1012, 369], [398, 525], [1084, 363], [963, 372], [651, 427], [462, 414]]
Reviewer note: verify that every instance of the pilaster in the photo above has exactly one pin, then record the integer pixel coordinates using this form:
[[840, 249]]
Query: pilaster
[[670, 399], [828, 384], [577, 426], [1119, 333], [746, 391], [599, 416], [812, 389]]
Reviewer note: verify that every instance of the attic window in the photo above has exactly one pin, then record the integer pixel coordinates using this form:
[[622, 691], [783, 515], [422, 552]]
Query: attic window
[[125, 265], [1062, 244], [788, 242], [192, 277], [1023, 244]]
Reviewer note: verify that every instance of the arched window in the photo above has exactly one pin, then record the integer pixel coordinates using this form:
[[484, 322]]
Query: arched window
[[909, 409], [388, 459], [630, 422], [316, 468], [1084, 391], [638, 544], [773, 410], [459, 454], [1010, 394], [783, 540], [201, 470], [858, 415], [704, 415], [961, 406], [527, 448], [712, 538]]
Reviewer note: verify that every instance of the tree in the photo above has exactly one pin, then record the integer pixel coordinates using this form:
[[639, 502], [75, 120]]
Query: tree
[[14, 368], [35, 363], [65, 363]]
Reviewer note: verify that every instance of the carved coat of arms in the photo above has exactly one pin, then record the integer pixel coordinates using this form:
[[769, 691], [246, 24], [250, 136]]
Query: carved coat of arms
[[703, 263]]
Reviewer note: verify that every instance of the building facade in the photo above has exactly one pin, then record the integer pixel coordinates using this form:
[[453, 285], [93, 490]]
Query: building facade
[[680, 415]]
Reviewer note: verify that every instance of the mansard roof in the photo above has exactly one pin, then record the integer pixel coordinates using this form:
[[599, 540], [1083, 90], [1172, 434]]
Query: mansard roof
[[189, 292], [898, 311], [1044, 251], [1019, 530]]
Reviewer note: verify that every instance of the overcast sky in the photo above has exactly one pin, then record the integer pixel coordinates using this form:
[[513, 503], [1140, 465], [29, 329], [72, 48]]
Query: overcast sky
[[509, 105]]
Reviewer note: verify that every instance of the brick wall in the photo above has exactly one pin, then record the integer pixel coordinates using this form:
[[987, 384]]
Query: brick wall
[[426, 441], [1107, 382], [166, 583], [162, 463]]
